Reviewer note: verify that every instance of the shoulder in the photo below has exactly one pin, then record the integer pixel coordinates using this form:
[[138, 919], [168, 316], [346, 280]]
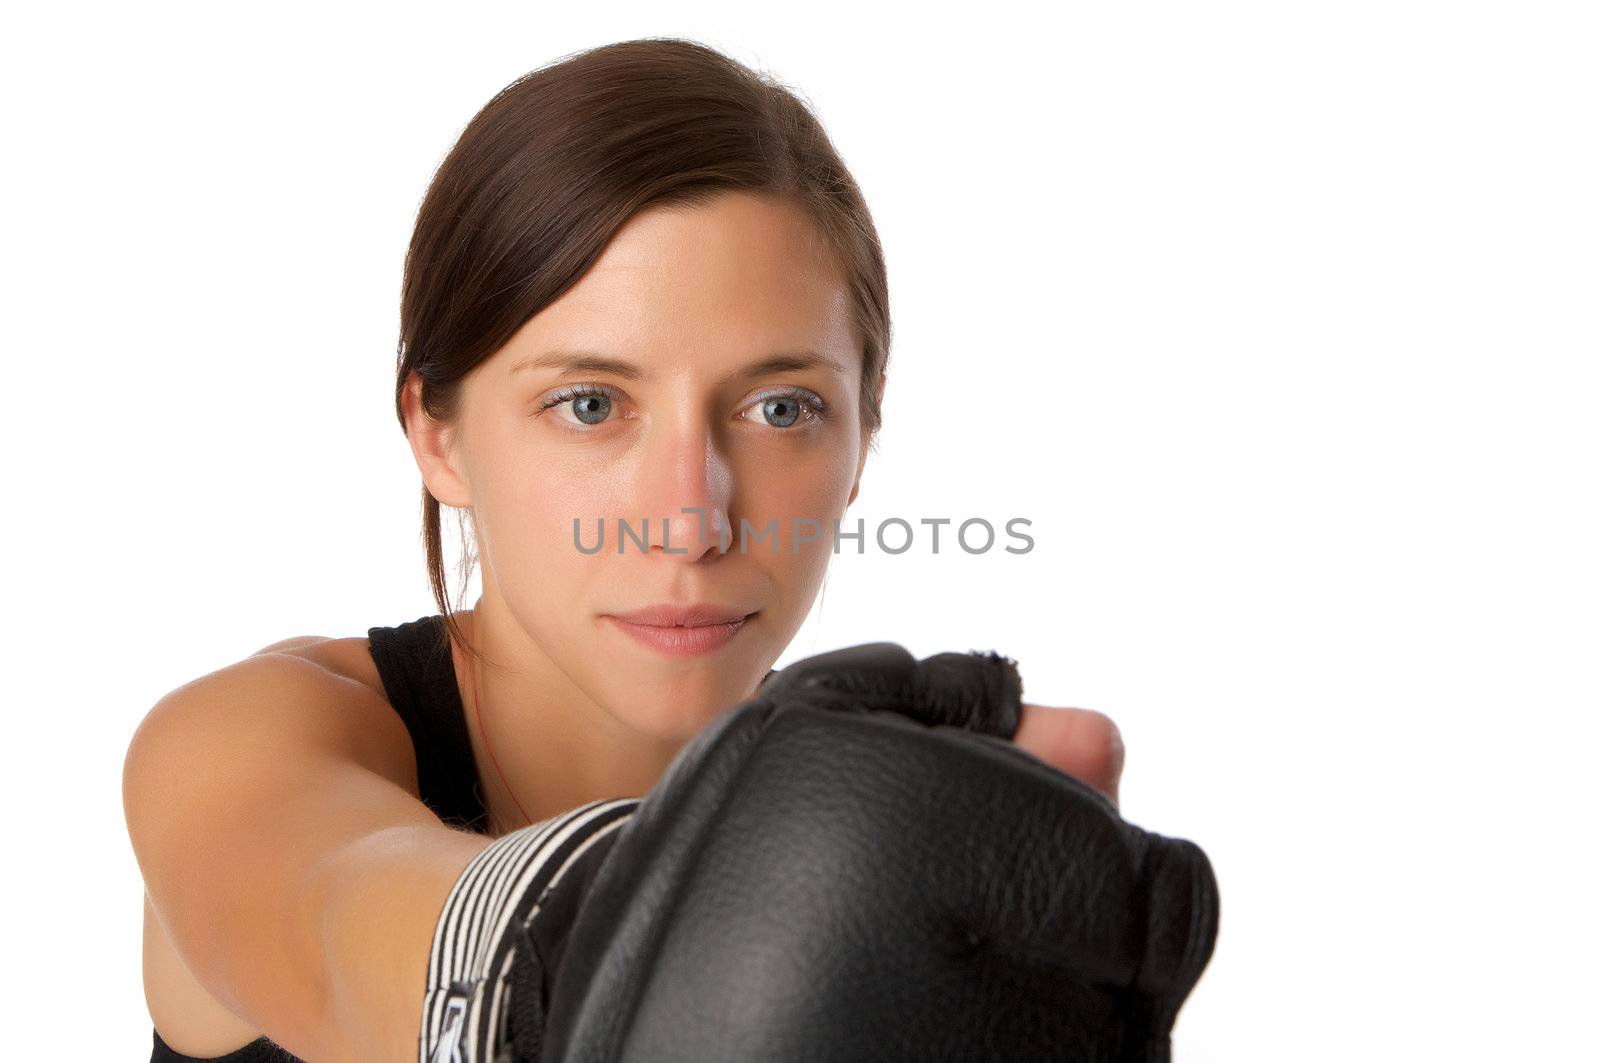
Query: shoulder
[[295, 697], [349, 658]]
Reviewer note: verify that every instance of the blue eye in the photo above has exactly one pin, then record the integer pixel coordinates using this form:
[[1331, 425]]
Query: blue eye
[[785, 408], [591, 405], [789, 408]]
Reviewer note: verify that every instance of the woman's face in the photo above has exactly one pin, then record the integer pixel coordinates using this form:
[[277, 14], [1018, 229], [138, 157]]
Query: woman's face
[[703, 316]]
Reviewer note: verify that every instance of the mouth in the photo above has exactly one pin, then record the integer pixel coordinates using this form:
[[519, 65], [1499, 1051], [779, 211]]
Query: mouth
[[710, 630]]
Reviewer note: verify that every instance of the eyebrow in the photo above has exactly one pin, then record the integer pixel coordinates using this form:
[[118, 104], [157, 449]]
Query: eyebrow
[[587, 362]]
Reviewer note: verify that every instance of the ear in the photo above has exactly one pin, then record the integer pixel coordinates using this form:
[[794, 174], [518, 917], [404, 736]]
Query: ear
[[866, 445], [432, 444]]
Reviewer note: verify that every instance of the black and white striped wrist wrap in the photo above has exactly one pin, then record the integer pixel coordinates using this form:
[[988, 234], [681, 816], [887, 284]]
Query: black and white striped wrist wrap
[[487, 934]]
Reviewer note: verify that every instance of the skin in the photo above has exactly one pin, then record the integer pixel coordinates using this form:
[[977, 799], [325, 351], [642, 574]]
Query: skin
[[689, 297]]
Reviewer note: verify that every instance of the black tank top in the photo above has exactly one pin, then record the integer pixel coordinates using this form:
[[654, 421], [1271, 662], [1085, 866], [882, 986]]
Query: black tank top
[[419, 678]]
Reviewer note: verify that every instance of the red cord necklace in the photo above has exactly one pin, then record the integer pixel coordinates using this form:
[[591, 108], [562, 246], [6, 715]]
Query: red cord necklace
[[472, 680]]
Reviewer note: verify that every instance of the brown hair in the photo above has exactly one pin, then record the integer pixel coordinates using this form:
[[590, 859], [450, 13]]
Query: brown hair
[[559, 160]]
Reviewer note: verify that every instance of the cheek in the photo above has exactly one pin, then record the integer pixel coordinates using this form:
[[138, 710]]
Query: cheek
[[802, 499], [526, 507], [535, 489], [806, 481]]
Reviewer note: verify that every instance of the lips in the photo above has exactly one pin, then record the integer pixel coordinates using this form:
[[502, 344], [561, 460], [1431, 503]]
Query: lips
[[681, 631]]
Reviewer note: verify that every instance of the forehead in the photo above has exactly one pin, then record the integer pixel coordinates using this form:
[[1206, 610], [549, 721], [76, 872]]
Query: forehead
[[740, 275]]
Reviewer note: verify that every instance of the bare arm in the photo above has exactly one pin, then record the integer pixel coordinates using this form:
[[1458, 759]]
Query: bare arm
[[272, 808], [379, 901]]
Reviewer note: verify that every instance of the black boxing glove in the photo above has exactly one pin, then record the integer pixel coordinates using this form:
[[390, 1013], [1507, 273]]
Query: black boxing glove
[[979, 691], [504, 925], [836, 870]]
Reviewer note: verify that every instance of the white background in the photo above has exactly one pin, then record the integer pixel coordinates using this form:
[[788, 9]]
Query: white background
[[1278, 321]]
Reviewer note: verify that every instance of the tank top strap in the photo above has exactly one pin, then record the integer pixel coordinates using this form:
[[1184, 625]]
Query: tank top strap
[[419, 676], [261, 1050]]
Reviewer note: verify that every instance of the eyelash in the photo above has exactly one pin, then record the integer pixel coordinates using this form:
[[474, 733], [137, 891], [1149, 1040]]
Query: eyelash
[[816, 408]]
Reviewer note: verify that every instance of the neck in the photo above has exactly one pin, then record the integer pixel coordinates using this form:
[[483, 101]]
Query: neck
[[554, 745]]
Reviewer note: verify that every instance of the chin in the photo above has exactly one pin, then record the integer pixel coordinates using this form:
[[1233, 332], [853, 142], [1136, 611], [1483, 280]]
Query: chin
[[678, 705]]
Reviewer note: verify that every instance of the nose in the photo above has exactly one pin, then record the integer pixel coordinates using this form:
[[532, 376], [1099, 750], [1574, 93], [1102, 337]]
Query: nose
[[685, 491]]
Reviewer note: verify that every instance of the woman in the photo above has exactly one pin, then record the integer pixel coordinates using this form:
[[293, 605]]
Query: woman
[[642, 290]]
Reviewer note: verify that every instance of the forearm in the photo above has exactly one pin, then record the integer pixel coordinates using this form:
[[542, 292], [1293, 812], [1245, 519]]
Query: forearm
[[379, 902]]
